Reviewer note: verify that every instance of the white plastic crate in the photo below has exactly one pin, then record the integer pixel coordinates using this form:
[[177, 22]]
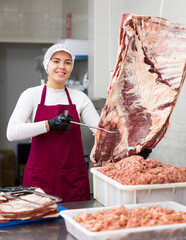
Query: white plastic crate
[[109, 192], [163, 232]]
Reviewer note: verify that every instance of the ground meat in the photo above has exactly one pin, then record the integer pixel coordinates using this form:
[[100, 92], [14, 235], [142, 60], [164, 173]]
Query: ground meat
[[122, 218], [136, 170]]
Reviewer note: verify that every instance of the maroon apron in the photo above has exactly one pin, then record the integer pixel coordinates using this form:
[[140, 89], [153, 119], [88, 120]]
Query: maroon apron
[[56, 163]]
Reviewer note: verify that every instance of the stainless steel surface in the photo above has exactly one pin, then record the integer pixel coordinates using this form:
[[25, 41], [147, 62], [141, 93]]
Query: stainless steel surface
[[85, 125], [54, 229]]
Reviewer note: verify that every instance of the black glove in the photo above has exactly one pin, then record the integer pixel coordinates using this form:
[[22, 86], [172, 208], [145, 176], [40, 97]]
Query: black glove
[[145, 153], [60, 123]]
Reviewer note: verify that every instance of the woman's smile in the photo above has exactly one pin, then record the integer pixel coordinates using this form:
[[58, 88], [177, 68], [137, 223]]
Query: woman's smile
[[61, 73]]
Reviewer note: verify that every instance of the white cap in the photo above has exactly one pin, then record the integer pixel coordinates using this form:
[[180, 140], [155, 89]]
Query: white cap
[[53, 49]]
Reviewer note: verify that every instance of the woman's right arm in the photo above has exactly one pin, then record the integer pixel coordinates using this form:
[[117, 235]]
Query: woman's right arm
[[19, 127]]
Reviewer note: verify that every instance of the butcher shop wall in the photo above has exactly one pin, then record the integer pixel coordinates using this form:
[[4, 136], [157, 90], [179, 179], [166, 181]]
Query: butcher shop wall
[[103, 31]]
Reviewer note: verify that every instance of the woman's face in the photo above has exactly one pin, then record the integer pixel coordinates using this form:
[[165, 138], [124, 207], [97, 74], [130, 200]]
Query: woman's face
[[59, 69]]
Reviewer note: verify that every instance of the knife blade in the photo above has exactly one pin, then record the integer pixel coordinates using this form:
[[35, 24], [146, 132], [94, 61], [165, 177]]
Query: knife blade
[[85, 125]]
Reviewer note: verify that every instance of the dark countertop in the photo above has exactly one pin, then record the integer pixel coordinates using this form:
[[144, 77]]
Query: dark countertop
[[45, 230]]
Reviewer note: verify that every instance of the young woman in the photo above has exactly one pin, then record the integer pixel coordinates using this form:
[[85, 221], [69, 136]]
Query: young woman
[[56, 162]]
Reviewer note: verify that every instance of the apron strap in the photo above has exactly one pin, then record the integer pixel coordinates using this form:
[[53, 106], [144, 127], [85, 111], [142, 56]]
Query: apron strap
[[68, 96], [43, 95]]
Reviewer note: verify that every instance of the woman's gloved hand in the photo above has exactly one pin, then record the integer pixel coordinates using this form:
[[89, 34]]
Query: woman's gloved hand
[[60, 123], [145, 153]]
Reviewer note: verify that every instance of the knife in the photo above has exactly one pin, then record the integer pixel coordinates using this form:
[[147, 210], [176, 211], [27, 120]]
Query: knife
[[85, 125]]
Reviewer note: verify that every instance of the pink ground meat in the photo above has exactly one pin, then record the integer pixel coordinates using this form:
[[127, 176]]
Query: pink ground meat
[[136, 170], [123, 218]]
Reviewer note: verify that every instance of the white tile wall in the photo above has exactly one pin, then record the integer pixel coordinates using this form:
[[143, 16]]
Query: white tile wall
[[99, 56], [104, 22], [79, 11], [30, 21]]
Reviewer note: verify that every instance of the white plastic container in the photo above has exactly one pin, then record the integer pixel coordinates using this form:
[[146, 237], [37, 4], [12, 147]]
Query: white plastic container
[[109, 192], [163, 232]]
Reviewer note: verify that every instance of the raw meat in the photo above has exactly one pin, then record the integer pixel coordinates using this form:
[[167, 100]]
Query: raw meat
[[123, 218], [13, 209], [147, 78], [135, 170]]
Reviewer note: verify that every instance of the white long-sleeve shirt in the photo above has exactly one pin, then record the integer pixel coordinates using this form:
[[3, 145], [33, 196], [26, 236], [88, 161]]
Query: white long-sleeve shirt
[[21, 125]]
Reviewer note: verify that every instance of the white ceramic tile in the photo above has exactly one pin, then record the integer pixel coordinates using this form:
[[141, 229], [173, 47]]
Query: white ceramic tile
[[40, 6], [183, 139], [10, 20], [102, 43], [79, 11], [178, 115], [102, 64], [183, 91], [9, 6], [26, 5], [103, 24], [102, 6], [173, 138], [30, 17], [101, 85]]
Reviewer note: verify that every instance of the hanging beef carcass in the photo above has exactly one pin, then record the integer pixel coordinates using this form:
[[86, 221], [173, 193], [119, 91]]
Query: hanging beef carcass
[[147, 78]]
